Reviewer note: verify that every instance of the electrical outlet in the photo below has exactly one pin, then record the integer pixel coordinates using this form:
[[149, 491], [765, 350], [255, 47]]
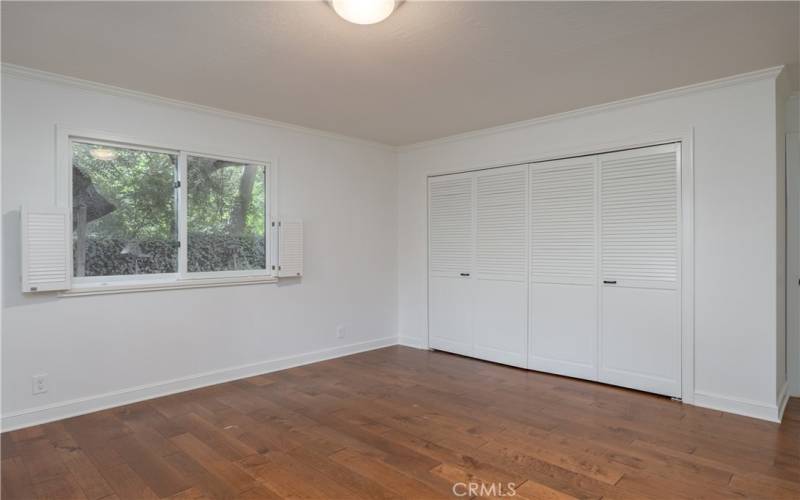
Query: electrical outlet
[[341, 331], [40, 383]]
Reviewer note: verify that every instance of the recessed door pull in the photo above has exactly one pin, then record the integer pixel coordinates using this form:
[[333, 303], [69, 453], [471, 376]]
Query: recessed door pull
[[465, 274], [610, 282]]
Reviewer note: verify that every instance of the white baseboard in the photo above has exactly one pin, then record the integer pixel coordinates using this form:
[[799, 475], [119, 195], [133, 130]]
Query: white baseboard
[[80, 406], [783, 400], [748, 408], [415, 342]]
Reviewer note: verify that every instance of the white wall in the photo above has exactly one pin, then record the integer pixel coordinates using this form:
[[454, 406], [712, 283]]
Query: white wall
[[103, 350], [736, 219]]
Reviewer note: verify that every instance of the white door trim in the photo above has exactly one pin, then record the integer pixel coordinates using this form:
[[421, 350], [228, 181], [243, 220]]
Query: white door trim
[[793, 263]]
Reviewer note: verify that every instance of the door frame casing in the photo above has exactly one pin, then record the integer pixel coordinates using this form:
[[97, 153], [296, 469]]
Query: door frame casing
[[684, 136], [793, 262]]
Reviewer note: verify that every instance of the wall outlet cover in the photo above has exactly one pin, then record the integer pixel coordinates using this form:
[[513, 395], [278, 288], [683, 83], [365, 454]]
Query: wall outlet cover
[[39, 383]]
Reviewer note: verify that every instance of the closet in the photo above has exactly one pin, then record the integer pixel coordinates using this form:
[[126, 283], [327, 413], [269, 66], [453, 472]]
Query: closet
[[569, 266]]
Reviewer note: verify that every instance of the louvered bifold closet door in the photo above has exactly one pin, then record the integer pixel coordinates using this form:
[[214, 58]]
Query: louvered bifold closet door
[[640, 337], [451, 254], [500, 284], [563, 279]]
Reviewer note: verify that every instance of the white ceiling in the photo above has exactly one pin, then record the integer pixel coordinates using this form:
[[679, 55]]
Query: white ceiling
[[432, 69]]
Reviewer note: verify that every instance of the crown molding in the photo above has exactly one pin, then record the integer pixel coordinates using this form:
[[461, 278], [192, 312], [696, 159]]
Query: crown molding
[[14, 70], [762, 74], [24, 72]]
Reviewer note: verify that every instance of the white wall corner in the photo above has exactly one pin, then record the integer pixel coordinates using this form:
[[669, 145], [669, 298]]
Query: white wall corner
[[415, 342]]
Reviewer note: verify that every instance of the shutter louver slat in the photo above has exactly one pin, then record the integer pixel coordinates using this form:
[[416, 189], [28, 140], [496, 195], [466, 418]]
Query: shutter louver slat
[[639, 205], [451, 225], [290, 249], [563, 222], [501, 239], [45, 239]]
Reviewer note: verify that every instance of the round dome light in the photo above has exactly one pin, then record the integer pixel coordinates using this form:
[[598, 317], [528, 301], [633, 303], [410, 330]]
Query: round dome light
[[103, 154], [364, 11]]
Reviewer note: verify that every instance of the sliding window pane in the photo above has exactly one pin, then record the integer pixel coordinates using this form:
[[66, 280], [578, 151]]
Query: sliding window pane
[[225, 215], [124, 216]]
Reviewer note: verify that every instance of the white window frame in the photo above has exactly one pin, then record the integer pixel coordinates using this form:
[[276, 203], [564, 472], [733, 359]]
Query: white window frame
[[183, 221], [90, 285]]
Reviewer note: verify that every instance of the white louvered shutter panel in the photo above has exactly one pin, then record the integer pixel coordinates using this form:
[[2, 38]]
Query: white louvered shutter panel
[[640, 210], [451, 220], [45, 250], [563, 221], [501, 211], [290, 248]]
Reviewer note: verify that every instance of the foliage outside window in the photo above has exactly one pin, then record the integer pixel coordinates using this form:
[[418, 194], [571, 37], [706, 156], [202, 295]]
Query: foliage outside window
[[124, 216], [127, 212], [225, 212]]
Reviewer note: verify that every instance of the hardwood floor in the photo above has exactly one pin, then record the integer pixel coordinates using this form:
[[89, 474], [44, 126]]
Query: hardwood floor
[[404, 423]]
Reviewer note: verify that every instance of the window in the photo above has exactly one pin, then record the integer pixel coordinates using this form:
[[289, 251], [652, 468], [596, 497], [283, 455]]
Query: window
[[226, 206], [124, 217], [149, 213]]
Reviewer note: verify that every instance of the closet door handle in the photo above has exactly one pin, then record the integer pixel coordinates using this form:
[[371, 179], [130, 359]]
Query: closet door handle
[[465, 275], [609, 282]]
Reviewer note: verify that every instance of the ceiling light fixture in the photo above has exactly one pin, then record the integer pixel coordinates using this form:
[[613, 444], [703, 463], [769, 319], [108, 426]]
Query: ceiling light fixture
[[364, 11], [103, 154]]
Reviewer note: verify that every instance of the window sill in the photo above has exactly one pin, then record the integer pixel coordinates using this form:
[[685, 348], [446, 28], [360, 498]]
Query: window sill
[[150, 286]]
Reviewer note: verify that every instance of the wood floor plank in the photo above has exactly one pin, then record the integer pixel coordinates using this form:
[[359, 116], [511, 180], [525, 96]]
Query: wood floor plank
[[258, 492], [150, 466], [563, 458], [126, 483], [42, 460], [404, 423], [403, 485], [277, 477], [93, 485], [231, 473], [755, 485], [201, 478], [222, 441], [356, 483], [191, 494], [16, 482], [531, 490], [310, 476], [59, 488]]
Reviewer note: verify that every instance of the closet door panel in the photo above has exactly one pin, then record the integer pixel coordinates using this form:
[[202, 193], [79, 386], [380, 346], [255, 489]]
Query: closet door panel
[[564, 328], [563, 298], [639, 348], [500, 321], [500, 294], [640, 338], [450, 316], [451, 237]]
